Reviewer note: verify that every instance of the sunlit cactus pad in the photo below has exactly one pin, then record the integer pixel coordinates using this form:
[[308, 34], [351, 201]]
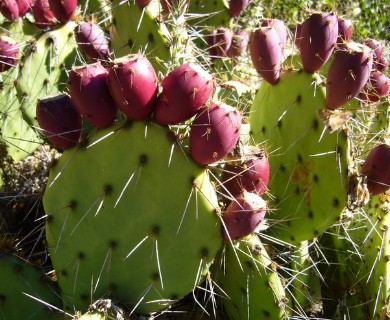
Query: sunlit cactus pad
[[131, 217]]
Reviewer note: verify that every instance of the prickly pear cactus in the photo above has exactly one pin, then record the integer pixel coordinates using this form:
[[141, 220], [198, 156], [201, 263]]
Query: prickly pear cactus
[[124, 217], [26, 292], [250, 281], [43, 68], [308, 162]]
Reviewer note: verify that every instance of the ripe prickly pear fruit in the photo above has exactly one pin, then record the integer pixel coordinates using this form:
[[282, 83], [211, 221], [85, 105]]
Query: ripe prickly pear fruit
[[377, 86], [9, 9], [298, 35], [90, 93], [376, 46], [318, 37], [60, 121], [239, 43], [43, 16], [376, 168], [24, 6], [9, 53], [348, 73], [133, 85], [243, 215], [214, 133], [251, 175], [92, 41], [63, 10], [185, 90], [280, 28], [381, 65], [222, 41], [14, 9], [143, 3], [266, 53], [237, 6], [345, 29]]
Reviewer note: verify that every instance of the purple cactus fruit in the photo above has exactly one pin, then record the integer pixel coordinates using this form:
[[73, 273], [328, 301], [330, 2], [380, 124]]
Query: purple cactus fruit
[[92, 41], [377, 86], [376, 168], [237, 6], [266, 53], [345, 29], [24, 6], [60, 121], [222, 41], [63, 10], [9, 9], [243, 216], [376, 46], [239, 44], [43, 16], [211, 43], [348, 73], [251, 175], [214, 133], [298, 35], [143, 3], [90, 93], [382, 64], [280, 27], [9, 53], [318, 38], [133, 85], [185, 90]]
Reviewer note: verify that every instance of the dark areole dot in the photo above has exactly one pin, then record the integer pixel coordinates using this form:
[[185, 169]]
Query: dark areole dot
[[64, 272], [150, 38], [84, 297], [299, 99], [107, 189], [204, 253], [72, 204], [143, 159], [315, 124], [155, 230], [2, 298], [316, 233], [155, 276], [130, 43], [112, 244], [310, 214], [81, 255], [315, 178], [336, 203]]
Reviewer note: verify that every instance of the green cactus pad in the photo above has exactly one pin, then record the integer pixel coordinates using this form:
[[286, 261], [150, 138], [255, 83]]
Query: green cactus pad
[[211, 13], [253, 288], [130, 217], [19, 137], [22, 286], [308, 162], [135, 30], [43, 68]]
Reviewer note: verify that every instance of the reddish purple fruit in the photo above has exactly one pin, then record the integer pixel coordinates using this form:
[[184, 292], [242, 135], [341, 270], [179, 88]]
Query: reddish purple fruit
[[63, 10], [348, 73], [89, 91], [60, 121], [9, 53], [185, 89], [251, 175], [14, 9], [133, 85], [382, 64], [345, 29], [9, 9], [243, 216], [318, 38], [43, 16], [92, 41], [266, 53], [377, 86], [376, 46], [298, 35], [143, 3], [280, 28], [237, 6], [239, 44], [214, 133], [222, 41], [376, 168]]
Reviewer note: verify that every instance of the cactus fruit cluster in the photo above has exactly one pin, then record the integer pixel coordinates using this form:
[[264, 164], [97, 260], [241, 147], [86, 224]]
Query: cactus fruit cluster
[[182, 159]]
